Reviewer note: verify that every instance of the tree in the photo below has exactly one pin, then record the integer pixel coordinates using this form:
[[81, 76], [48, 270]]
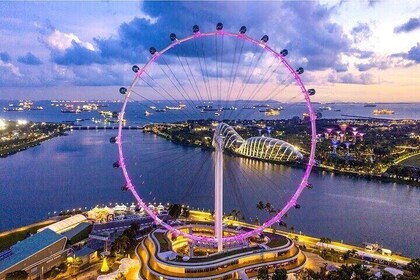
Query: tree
[[17, 275], [387, 276], [279, 274], [414, 267], [260, 205], [263, 273]]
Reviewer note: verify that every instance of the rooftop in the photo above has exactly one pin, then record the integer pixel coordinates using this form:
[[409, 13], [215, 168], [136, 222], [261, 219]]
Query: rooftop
[[65, 224], [28, 247]]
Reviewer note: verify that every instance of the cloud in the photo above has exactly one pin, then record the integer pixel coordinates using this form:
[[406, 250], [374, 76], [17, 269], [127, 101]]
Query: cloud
[[320, 50], [349, 78], [9, 68], [375, 63], [408, 58], [410, 25], [362, 54], [4, 56], [61, 41], [414, 53], [361, 32], [29, 59], [77, 55]]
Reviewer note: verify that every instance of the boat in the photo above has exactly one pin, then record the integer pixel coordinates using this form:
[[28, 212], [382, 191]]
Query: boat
[[209, 109], [106, 113], [249, 107], [37, 108], [13, 109], [272, 112], [173, 107], [71, 111], [146, 113], [262, 105], [383, 112], [325, 108], [217, 114], [152, 107], [229, 108], [369, 105], [160, 110], [113, 120], [203, 106]]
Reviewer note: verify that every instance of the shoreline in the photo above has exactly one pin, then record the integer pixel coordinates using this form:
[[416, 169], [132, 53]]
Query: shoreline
[[316, 168], [198, 215]]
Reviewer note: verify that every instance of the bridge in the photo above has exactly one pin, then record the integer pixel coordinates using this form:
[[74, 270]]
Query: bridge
[[407, 156]]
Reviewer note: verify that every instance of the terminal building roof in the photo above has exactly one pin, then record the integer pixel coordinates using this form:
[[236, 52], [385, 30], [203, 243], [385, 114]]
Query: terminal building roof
[[28, 247], [66, 224]]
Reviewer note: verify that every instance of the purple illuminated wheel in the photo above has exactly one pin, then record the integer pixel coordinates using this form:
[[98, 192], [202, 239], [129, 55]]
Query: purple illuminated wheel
[[146, 76]]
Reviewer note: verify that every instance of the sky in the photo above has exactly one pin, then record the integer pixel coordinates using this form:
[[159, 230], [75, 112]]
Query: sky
[[352, 51]]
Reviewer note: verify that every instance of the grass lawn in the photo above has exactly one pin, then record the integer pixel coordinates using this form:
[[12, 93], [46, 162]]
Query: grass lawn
[[8, 239]]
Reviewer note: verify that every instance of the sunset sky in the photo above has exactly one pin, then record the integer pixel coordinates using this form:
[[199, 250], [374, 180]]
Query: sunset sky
[[365, 51]]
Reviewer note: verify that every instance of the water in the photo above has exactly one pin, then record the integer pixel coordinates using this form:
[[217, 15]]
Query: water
[[135, 112], [76, 171]]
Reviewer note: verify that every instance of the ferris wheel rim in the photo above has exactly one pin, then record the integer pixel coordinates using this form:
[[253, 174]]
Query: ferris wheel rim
[[292, 202]]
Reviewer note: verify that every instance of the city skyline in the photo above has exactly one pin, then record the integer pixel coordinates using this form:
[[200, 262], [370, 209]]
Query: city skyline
[[364, 51]]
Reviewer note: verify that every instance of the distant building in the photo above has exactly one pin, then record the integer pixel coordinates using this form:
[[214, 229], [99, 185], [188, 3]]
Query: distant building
[[36, 255], [66, 224]]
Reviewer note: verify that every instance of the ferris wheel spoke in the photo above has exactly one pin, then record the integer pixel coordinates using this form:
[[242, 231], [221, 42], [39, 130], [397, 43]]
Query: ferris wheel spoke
[[205, 81], [171, 77]]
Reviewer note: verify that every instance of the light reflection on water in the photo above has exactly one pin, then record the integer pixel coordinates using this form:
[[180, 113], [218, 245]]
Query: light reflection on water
[[76, 171]]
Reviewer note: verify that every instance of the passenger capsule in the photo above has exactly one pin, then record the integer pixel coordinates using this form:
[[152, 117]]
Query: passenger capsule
[[123, 90], [219, 26], [264, 38], [242, 30], [297, 206], [309, 186], [152, 50], [282, 224], [124, 188], [196, 28], [113, 139], [311, 91], [116, 164], [135, 68], [284, 52], [299, 70], [172, 37]]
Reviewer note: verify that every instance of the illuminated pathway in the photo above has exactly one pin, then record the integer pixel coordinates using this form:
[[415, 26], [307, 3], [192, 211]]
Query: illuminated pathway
[[159, 256]]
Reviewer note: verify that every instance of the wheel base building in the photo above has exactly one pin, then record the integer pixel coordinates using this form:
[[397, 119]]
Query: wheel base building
[[165, 256]]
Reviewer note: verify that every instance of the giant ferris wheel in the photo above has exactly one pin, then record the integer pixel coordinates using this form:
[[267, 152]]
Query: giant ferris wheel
[[207, 68]]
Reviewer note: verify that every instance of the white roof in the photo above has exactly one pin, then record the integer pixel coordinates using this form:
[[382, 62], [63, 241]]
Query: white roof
[[65, 224], [393, 271]]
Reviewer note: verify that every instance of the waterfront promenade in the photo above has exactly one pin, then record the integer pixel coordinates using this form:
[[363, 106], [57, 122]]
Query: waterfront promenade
[[308, 241]]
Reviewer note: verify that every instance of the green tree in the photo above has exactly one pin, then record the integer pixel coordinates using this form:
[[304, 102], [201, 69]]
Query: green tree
[[17, 275], [279, 274], [263, 273], [387, 276], [414, 267]]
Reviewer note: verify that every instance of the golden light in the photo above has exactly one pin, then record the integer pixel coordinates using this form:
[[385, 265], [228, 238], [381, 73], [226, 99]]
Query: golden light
[[104, 267], [3, 124], [22, 122]]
